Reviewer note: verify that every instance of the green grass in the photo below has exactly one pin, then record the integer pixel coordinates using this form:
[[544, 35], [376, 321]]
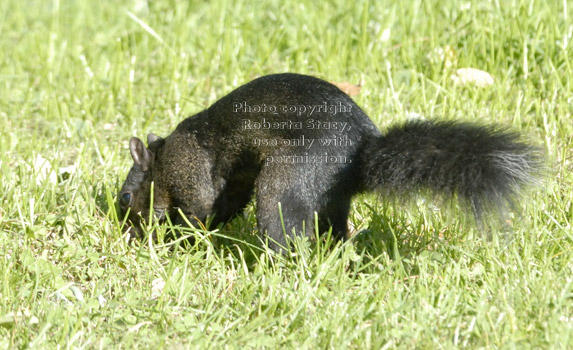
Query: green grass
[[78, 78]]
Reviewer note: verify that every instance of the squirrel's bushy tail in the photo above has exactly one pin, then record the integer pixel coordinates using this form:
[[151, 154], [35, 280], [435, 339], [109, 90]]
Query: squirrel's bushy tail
[[484, 166]]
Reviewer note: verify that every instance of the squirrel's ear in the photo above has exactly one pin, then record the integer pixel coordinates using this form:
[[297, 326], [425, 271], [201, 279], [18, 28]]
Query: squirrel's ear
[[141, 155], [152, 138]]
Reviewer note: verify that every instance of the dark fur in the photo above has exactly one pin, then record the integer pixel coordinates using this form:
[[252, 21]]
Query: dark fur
[[210, 166]]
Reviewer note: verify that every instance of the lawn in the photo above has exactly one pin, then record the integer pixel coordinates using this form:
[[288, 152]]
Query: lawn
[[79, 78]]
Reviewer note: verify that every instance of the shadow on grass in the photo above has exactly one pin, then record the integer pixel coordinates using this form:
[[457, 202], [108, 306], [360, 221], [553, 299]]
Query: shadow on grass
[[387, 234]]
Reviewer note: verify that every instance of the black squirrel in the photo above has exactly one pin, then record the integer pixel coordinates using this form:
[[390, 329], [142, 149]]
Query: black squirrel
[[300, 142]]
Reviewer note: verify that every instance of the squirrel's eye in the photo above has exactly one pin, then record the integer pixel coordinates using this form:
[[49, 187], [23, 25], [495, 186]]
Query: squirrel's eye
[[125, 198]]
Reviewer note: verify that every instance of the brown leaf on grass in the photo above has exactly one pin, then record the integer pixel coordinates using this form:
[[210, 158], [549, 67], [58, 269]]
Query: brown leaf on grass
[[348, 88], [473, 76]]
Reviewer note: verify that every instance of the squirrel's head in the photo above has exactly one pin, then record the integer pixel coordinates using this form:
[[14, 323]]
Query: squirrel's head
[[136, 193]]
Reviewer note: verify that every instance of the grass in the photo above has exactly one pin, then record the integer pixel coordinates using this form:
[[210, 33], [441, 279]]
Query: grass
[[78, 78]]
